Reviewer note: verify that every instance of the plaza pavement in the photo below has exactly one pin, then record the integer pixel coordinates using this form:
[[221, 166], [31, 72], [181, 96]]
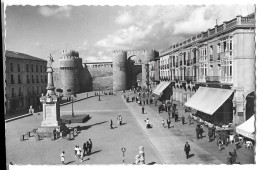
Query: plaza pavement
[[162, 145], [107, 143], [174, 138]]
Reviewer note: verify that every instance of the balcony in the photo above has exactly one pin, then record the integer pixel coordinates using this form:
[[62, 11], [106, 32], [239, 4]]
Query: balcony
[[211, 58], [226, 79], [212, 79]]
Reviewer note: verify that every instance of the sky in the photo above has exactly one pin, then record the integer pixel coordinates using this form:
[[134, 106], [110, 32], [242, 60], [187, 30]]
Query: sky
[[95, 31]]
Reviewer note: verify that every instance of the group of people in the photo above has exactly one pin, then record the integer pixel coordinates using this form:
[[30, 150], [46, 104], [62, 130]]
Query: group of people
[[119, 121], [79, 153], [199, 131]]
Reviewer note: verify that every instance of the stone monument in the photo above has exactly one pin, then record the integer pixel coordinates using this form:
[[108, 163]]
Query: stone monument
[[51, 107]]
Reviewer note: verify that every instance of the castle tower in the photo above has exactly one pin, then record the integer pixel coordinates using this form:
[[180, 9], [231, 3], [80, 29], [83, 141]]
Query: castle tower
[[70, 65], [119, 70]]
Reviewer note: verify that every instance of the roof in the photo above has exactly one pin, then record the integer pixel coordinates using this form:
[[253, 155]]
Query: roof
[[13, 54]]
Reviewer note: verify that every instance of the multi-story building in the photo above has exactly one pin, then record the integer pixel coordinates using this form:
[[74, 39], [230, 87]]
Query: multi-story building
[[26, 79], [222, 61]]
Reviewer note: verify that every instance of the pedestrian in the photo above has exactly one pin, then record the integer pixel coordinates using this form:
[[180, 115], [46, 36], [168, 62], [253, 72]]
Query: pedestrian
[[183, 119], [90, 146], [220, 143], [169, 113], [155, 103], [81, 156], [187, 149], [176, 116], [236, 140], [159, 109], [79, 152], [189, 117], [200, 131], [87, 147], [209, 133], [229, 159], [163, 123], [234, 155], [168, 122], [75, 150], [111, 124], [62, 157], [147, 101], [147, 123], [197, 131], [120, 120], [84, 148], [142, 109]]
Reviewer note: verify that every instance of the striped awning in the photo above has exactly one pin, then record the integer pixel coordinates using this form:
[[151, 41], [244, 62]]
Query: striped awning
[[208, 100]]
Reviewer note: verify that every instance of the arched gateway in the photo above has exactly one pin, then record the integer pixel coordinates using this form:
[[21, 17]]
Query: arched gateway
[[128, 64]]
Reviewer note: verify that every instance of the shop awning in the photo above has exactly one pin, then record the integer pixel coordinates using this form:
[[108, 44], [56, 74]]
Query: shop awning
[[208, 100], [159, 89], [247, 128]]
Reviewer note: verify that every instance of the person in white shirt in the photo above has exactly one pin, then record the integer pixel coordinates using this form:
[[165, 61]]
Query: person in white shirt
[[62, 157]]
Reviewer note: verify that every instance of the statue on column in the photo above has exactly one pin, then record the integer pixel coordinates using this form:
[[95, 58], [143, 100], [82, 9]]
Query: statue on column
[[50, 61]]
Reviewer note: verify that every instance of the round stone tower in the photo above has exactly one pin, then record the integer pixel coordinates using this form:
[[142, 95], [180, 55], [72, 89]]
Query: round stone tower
[[119, 70], [70, 65]]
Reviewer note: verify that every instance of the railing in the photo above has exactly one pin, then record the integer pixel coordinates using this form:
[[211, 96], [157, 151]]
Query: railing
[[212, 79], [246, 20], [226, 79], [201, 79], [211, 57]]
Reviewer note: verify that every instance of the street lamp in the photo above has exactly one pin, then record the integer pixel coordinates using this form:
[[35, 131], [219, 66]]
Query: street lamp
[[123, 150], [72, 100], [99, 95]]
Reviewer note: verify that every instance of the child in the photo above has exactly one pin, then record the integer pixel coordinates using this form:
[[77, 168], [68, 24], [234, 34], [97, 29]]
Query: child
[[163, 123], [62, 157]]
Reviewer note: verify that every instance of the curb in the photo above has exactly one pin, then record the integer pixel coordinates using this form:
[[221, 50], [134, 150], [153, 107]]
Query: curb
[[18, 117]]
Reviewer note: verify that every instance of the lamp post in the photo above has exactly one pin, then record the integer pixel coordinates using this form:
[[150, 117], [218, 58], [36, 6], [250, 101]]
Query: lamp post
[[99, 95], [123, 150]]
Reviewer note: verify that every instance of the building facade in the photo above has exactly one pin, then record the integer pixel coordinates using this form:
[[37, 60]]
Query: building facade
[[220, 57], [26, 80]]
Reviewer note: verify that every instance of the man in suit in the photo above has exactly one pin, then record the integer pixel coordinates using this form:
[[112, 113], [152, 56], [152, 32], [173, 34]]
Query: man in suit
[[84, 148], [90, 146], [187, 149]]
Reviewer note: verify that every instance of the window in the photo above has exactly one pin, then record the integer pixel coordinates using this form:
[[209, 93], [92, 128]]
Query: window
[[19, 79], [32, 79], [27, 68], [18, 67], [13, 94], [11, 67], [37, 79], [45, 78], [28, 79], [20, 91], [12, 79], [41, 79], [37, 90], [227, 70], [28, 90], [41, 68], [32, 90], [37, 68], [32, 67]]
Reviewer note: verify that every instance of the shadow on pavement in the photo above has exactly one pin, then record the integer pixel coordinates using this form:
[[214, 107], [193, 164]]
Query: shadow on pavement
[[123, 124], [95, 152], [151, 163], [191, 155], [86, 159], [89, 126], [69, 162]]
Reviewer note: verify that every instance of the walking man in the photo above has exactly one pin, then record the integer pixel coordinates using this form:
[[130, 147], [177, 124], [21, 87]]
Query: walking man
[[187, 149], [90, 146], [120, 120], [111, 124], [197, 131], [62, 157], [168, 122], [142, 109], [84, 148], [189, 117], [183, 119]]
